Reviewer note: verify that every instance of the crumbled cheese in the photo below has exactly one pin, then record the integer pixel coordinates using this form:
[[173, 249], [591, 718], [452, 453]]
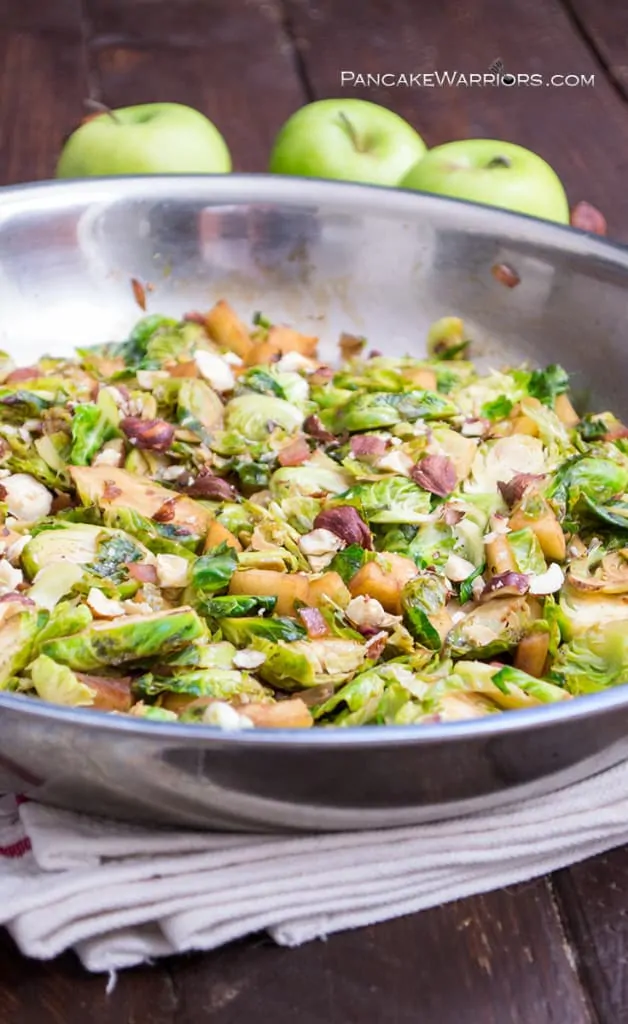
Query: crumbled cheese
[[473, 428], [172, 570], [499, 526], [547, 582], [396, 462], [368, 612], [233, 359], [15, 549], [293, 361], [102, 606], [108, 457], [225, 717], [248, 659], [116, 394], [457, 617], [179, 473], [458, 569], [136, 608], [215, 370], [148, 378], [477, 587], [319, 547], [26, 498], [10, 578]]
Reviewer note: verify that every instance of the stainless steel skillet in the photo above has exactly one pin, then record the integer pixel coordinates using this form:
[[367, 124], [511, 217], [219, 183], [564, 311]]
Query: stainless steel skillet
[[327, 257]]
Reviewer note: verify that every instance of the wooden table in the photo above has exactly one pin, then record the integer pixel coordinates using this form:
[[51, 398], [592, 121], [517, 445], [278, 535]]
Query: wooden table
[[552, 950]]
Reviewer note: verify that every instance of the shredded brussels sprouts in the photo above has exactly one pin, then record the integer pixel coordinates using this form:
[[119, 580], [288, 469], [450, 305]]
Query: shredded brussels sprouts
[[207, 516]]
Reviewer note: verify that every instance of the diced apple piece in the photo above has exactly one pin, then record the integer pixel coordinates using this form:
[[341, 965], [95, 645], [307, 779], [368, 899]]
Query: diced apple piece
[[285, 714], [286, 587], [565, 411], [111, 693], [331, 586], [384, 581], [227, 330], [421, 378], [499, 556], [531, 654], [219, 534], [545, 525]]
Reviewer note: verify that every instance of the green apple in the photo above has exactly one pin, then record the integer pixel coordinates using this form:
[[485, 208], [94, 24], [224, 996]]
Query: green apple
[[494, 173], [353, 140], [153, 138]]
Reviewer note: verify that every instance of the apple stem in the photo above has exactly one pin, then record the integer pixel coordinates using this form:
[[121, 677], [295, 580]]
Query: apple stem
[[499, 161], [101, 108], [352, 133]]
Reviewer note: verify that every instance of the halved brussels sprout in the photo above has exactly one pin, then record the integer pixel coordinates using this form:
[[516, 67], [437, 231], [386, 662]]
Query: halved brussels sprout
[[212, 572], [59, 685], [600, 572], [254, 416], [368, 411], [582, 610], [158, 538], [126, 639], [103, 550], [424, 596], [527, 551], [319, 476], [93, 424], [492, 628], [17, 639], [291, 666], [508, 687], [393, 499], [199, 408], [66, 618], [177, 691], [243, 630], [236, 606], [594, 660], [199, 655]]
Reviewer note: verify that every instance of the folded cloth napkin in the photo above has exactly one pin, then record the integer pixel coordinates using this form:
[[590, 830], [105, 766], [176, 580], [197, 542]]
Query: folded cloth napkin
[[120, 894]]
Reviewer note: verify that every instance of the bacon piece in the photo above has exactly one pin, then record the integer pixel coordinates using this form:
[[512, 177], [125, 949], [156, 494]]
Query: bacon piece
[[294, 454], [314, 622]]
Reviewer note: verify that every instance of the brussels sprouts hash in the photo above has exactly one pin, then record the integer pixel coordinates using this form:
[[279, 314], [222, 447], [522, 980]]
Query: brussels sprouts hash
[[205, 523]]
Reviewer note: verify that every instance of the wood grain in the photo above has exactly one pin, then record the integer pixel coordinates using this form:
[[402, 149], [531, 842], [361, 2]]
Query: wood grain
[[43, 83], [238, 70], [41, 17], [604, 25], [61, 992], [495, 959], [593, 900], [569, 127]]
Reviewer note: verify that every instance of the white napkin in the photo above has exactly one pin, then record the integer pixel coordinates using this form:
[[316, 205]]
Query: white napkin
[[121, 894]]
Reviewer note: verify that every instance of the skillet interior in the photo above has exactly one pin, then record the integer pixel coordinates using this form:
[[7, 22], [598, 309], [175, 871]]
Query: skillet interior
[[326, 257]]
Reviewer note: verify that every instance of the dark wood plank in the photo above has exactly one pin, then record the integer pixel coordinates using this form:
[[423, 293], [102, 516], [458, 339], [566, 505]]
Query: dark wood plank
[[38, 16], [495, 959], [242, 76], [43, 83], [582, 132], [604, 25], [593, 899], [175, 22], [61, 992]]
